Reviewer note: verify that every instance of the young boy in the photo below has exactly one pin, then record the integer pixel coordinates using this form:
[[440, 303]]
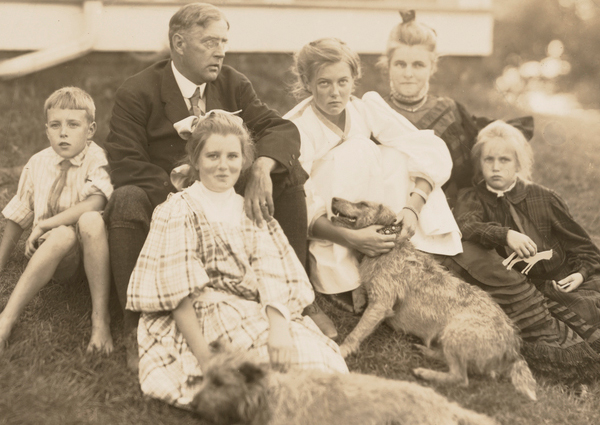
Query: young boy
[[61, 192], [508, 213]]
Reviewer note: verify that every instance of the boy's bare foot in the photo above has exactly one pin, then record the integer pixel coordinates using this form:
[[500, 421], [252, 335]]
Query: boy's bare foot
[[4, 334], [101, 340]]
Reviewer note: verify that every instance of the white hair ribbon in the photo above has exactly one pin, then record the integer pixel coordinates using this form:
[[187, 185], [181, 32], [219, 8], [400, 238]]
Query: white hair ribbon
[[186, 126]]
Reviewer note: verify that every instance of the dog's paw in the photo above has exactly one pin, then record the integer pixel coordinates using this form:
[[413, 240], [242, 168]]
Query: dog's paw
[[346, 350], [427, 352], [421, 372]]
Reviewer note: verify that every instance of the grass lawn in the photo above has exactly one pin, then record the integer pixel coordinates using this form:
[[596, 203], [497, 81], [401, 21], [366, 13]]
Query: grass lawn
[[45, 375]]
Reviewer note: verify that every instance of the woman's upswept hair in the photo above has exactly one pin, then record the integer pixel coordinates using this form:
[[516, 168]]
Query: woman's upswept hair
[[314, 55], [411, 33], [513, 138], [223, 124]]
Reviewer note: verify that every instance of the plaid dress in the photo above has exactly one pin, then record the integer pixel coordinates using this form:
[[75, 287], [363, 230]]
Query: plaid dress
[[559, 330], [484, 218], [231, 272]]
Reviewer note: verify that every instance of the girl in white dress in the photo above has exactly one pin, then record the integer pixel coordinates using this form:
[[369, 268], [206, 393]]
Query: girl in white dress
[[355, 149], [208, 273]]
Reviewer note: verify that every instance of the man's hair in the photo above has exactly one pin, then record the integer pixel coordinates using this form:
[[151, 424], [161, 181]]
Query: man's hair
[[316, 54], [513, 138], [71, 98], [194, 14]]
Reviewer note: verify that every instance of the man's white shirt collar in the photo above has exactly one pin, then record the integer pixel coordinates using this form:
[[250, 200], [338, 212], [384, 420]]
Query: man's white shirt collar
[[186, 87]]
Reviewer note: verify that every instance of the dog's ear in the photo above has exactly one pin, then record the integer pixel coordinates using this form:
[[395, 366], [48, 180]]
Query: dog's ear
[[219, 346], [384, 216], [251, 372]]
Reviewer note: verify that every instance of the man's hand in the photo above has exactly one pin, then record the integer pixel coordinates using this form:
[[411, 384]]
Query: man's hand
[[521, 244], [258, 197]]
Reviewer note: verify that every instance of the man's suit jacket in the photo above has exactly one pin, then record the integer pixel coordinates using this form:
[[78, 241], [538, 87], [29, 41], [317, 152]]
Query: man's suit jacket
[[143, 147]]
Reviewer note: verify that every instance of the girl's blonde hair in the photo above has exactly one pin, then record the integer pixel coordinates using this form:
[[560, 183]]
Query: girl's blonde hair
[[223, 124], [513, 138], [411, 33], [314, 55]]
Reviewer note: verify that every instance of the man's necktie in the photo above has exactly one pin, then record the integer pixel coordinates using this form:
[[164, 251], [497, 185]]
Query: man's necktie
[[197, 107], [58, 186]]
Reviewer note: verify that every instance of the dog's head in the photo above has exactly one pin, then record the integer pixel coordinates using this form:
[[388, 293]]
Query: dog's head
[[357, 215], [233, 390]]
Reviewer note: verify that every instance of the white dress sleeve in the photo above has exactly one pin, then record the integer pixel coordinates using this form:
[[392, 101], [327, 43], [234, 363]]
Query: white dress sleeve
[[428, 156]]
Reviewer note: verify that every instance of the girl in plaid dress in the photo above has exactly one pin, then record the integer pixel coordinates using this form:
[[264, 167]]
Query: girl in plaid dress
[[506, 213], [207, 273]]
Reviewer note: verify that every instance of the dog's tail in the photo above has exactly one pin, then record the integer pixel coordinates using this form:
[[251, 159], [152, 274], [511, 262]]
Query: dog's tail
[[522, 379]]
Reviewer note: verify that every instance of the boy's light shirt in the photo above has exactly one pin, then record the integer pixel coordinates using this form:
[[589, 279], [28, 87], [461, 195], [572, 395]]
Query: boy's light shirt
[[88, 176]]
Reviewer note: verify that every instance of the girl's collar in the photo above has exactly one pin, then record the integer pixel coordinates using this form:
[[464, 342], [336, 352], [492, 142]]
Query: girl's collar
[[500, 193], [343, 135], [515, 194], [409, 103]]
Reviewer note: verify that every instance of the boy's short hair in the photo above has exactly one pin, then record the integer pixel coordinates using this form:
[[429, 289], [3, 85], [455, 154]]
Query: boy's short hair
[[71, 98], [514, 138]]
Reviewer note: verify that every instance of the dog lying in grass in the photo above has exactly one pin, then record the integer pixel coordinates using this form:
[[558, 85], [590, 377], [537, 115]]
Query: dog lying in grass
[[235, 390], [418, 296]]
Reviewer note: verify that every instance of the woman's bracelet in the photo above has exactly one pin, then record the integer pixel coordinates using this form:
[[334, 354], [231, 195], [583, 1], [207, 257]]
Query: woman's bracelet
[[421, 193], [408, 207]]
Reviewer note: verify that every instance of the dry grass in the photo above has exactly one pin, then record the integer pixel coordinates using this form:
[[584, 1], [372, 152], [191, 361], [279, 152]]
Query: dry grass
[[45, 375]]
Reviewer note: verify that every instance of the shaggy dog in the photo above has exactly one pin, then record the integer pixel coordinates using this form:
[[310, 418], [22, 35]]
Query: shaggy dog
[[418, 296], [235, 390]]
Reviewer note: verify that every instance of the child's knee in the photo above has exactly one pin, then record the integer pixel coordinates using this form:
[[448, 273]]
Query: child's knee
[[91, 225], [61, 237]]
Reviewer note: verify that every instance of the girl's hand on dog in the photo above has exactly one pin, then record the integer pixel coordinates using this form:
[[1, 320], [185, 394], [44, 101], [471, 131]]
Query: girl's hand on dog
[[409, 221], [522, 244], [371, 243], [569, 283]]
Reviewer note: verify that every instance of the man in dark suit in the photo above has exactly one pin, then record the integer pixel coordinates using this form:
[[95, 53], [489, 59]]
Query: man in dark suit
[[143, 146]]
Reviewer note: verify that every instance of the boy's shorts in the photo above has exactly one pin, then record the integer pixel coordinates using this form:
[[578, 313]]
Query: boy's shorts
[[70, 269]]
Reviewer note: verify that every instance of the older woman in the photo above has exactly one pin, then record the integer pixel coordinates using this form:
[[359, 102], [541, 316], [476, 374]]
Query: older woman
[[547, 328]]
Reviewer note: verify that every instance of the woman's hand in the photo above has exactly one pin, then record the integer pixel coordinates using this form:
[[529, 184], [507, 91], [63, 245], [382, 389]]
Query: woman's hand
[[187, 323], [281, 347], [371, 243], [280, 344], [31, 243], [521, 244], [409, 221], [569, 283]]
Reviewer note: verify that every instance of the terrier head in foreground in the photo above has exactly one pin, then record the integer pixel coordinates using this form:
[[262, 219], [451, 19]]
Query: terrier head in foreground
[[232, 390], [357, 215]]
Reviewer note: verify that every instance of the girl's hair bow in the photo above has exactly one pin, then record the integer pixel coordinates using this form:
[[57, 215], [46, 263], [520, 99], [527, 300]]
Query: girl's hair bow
[[185, 128]]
